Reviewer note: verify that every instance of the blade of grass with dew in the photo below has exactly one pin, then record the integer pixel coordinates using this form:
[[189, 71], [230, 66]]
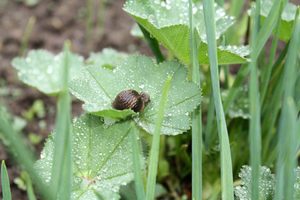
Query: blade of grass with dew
[[284, 178], [29, 189], [22, 154], [226, 162], [154, 153], [196, 115], [62, 170], [255, 127], [138, 176], [153, 44], [6, 193]]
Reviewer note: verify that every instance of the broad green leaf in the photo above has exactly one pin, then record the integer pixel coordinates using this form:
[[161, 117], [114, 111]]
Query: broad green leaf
[[102, 159], [108, 58], [42, 70], [97, 87], [167, 21], [287, 18]]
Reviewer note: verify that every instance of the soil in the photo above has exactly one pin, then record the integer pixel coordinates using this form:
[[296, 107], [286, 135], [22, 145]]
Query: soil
[[53, 22]]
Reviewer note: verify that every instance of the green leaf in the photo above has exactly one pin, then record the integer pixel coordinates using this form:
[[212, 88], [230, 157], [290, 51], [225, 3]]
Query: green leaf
[[286, 21], [168, 23], [102, 158], [42, 70], [6, 193], [97, 88], [108, 58], [266, 184]]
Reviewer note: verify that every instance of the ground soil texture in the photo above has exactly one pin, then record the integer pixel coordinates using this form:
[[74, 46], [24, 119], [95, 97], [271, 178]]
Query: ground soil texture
[[55, 22]]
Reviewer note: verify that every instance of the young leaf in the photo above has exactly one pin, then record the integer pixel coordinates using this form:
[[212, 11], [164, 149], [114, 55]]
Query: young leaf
[[102, 158], [5, 182], [98, 87], [286, 21], [107, 58], [167, 21], [41, 69]]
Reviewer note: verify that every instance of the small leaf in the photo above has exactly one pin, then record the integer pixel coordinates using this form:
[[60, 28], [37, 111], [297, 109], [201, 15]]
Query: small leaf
[[97, 87], [167, 21], [102, 159], [41, 69], [107, 58]]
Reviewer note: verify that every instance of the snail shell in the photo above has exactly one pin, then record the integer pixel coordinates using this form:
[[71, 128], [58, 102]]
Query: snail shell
[[131, 99]]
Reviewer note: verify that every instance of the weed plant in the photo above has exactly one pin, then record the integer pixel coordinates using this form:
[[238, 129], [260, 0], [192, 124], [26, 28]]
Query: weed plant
[[243, 127]]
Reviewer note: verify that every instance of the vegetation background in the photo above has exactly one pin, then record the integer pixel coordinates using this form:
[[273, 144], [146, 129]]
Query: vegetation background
[[90, 25]]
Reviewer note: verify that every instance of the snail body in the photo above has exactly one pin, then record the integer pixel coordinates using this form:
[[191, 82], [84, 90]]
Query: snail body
[[131, 99]]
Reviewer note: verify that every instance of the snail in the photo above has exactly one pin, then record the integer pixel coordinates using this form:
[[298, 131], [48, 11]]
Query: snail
[[131, 99]]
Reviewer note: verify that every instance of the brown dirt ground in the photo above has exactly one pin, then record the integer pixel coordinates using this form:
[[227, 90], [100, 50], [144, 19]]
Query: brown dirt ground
[[55, 22]]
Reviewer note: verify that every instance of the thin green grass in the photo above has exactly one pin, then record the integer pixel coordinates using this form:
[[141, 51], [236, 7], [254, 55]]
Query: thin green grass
[[6, 193], [153, 44], [26, 35], [226, 162], [29, 189], [255, 126], [210, 134], [21, 153], [266, 73], [62, 169], [287, 144], [196, 115], [154, 153], [137, 168]]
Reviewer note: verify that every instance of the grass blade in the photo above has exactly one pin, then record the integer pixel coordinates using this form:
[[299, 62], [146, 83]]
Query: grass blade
[[210, 134], [196, 115], [268, 26], [6, 193], [154, 153], [255, 127], [266, 74], [21, 153], [153, 44], [138, 176], [226, 162], [287, 133], [62, 170], [30, 192]]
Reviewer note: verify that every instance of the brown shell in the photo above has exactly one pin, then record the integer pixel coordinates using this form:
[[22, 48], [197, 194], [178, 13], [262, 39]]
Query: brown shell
[[131, 99]]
